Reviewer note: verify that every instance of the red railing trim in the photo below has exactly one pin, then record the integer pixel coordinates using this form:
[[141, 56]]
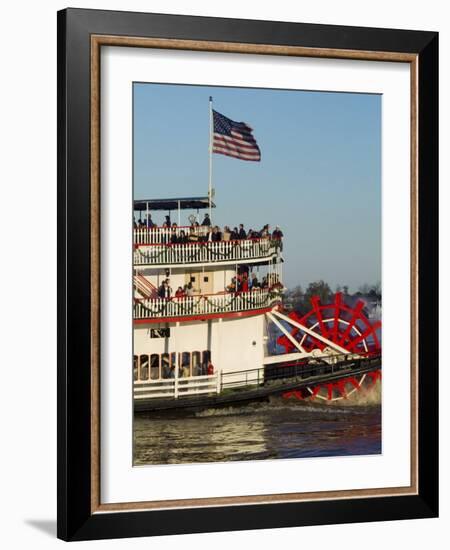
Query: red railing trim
[[199, 317], [222, 293]]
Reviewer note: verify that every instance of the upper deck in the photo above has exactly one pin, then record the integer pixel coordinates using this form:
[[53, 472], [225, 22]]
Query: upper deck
[[155, 247], [174, 245]]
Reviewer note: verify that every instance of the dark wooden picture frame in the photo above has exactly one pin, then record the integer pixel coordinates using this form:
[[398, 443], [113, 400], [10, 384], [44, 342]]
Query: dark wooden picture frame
[[81, 34]]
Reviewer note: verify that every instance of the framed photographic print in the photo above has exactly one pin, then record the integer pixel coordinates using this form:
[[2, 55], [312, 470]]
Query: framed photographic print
[[247, 274]]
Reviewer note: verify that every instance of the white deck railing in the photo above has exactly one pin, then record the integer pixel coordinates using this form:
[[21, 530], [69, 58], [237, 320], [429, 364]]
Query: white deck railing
[[205, 252], [162, 235], [206, 304], [176, 387]]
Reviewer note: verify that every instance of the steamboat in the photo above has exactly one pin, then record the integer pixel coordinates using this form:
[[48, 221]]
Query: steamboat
[[207, 304]]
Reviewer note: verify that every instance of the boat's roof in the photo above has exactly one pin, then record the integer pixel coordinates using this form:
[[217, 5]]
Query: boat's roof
[[185, 203]]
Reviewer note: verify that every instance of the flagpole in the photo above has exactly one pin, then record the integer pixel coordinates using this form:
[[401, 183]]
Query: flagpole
[[211, 127]]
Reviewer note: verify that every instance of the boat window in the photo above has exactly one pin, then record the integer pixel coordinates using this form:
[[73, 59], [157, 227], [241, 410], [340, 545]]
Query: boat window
[[155, 373], [143, 367], [196, 363]]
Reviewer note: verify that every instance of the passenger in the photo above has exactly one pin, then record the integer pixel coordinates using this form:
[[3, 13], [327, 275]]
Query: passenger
[[210, 369], [244, 283], [242, 234], [264, 283], [189, 289], [172, 371], [135, 225], [180, 292], [234, 234], [277, 234], [216, 234], [150, 223], [166, 368], [232, 286], [226, 233], [203, 235], [254, 283], [265, 231], [182, 238], [173, 236], [186, 371], [193, 235], [167, 223], [206, 220], [209, 235], [162, 290], [168, 288]]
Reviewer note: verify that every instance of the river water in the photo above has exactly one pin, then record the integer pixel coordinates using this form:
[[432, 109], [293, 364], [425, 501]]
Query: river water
[[278, 429]]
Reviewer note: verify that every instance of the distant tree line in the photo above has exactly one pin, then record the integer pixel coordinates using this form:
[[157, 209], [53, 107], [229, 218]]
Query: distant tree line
[[300, 300]]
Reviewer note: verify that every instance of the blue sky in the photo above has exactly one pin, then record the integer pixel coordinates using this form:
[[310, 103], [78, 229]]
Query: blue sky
[[319, 177]]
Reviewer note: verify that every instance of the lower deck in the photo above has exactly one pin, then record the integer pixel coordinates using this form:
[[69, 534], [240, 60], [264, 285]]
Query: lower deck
[[236, 387], [189, 347]]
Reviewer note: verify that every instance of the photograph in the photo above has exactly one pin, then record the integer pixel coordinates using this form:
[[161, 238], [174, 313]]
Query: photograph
[[257, 287], [247, 274]]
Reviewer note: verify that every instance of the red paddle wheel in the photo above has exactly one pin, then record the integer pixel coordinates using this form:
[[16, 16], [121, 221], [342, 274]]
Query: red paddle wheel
[[343, 326]]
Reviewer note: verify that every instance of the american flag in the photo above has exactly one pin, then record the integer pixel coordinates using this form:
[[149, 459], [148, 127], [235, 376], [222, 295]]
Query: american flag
[[234, 139]]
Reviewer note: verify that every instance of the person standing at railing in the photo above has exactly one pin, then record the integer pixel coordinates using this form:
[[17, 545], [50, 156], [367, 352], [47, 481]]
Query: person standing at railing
[[189, 289], [226, 233], [254, 283], [242, 234], [168, 289], [150, 223], [244, 283], [265, 231], [216, 234], [232, 286], [193, 235], [206, 220], [165, 368], [173, 236], [185, 372], [277, 235], [182, 238], [167, 223], [234, 234], [210, 369], [164, 290]]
